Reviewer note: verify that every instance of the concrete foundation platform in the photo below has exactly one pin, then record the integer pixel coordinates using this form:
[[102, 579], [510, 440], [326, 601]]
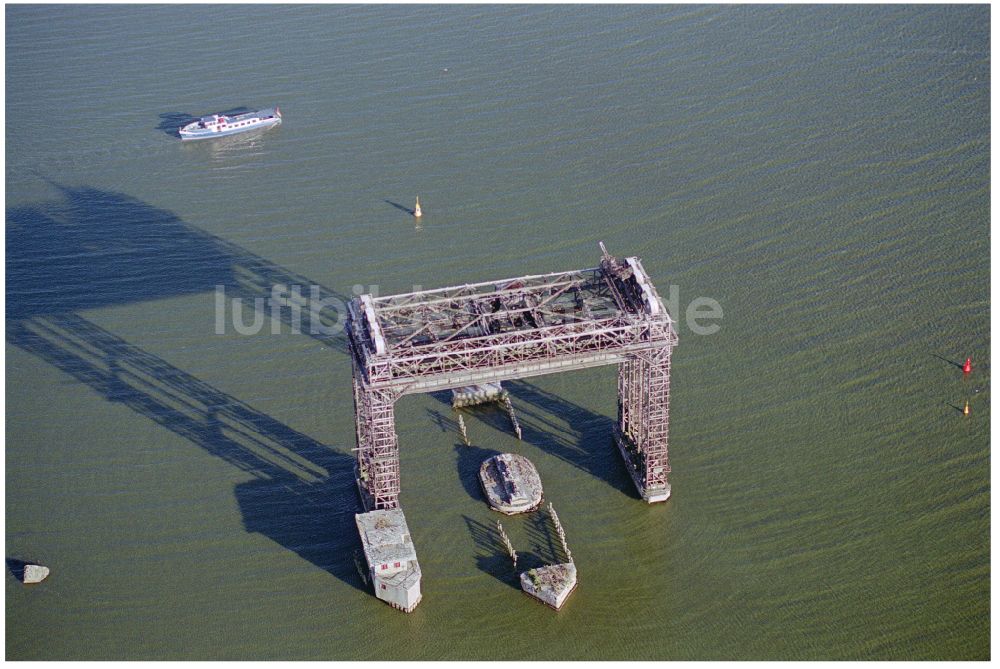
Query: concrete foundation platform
[[511, 483], [391, 557], [551, 584], [481, 394]]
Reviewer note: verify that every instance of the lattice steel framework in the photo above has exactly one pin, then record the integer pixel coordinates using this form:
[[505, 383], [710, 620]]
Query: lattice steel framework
[[515, 328], [643, 420]]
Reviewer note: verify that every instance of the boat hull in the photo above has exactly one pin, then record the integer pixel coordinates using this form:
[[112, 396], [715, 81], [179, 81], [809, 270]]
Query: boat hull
[[191, 135]]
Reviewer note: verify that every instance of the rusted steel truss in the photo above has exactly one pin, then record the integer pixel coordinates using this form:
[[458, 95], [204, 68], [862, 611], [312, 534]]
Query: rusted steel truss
[[515, 328], [643, 419]]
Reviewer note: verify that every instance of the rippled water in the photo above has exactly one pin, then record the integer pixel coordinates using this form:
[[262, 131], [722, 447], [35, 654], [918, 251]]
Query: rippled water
[[822, 172]]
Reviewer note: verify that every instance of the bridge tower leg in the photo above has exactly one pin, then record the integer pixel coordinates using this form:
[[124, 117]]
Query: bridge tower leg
[[377, 451], [643, 421]]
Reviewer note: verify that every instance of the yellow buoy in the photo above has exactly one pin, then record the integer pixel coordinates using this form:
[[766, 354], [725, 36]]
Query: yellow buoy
[[416, 209], [965, 411]]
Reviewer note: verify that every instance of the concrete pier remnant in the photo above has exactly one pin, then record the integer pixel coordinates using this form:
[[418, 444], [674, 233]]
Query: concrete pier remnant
[[34, 573], [551, 584], [391, 557], [511, 483], [480, 394]]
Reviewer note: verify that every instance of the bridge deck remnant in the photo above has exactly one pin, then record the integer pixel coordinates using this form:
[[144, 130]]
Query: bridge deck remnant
[[515, 328]]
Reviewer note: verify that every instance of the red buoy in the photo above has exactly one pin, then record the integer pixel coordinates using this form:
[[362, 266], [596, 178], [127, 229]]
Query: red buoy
[[967, 367]]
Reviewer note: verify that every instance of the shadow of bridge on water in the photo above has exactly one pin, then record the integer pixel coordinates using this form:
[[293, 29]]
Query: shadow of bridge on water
[[94, 249]]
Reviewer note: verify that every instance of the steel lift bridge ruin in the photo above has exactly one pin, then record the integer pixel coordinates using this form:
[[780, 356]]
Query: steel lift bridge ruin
[[515, 328]]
